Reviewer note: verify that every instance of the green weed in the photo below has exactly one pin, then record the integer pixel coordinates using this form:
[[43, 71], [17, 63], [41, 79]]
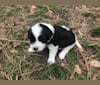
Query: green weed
[[96, 32]]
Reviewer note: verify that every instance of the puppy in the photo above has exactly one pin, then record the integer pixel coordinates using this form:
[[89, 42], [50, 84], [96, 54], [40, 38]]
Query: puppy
[[53, 37]]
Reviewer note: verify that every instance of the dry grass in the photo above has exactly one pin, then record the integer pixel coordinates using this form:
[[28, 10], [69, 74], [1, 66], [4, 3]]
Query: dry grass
[[17, 64]]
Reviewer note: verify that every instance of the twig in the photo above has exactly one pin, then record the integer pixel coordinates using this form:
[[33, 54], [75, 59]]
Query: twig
[[4, 39], [8, 57], [84, 55], [20, 70], [72, 75], [6, 54], [94, 43], [85, 59], [16, 77], [7, 76], [4, 46], [93, 38]]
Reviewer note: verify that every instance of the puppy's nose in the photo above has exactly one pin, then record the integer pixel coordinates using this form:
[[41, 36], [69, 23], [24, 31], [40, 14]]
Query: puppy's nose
[[35, 49]]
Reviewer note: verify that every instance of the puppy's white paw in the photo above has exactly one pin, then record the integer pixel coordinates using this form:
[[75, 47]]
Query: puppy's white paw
[[51, 61], [30, 50], [61, 56]]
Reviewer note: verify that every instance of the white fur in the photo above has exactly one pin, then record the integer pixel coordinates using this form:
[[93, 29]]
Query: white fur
[[52, 53], [49, 26], [38, 45], [63, 53], [63, 26], [36, 30], [78, 44]]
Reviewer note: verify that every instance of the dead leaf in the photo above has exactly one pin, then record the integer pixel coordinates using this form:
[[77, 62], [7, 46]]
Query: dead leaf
[[16, 44], [64, 66], [81, 50], [94, 77], [95, 63], [13, 50], [77, 69], [32, 8], [52, 77], [3, 33], [50, 12], [85, 8]]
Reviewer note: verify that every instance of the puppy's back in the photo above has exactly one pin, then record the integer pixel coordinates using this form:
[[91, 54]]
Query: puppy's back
[[63, 36]]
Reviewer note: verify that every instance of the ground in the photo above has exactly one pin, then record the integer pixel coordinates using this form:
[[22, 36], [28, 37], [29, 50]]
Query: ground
[[18, 64]]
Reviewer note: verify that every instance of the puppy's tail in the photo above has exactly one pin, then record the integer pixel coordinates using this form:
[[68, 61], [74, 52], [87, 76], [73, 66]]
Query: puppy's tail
[[79, 46]]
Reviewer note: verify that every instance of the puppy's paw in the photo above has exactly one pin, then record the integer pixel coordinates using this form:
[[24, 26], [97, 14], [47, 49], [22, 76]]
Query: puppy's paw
[[61, 57], [51, 61], [30, 50]]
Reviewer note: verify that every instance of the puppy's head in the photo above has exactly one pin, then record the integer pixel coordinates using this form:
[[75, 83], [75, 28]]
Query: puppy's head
[[39, 34]]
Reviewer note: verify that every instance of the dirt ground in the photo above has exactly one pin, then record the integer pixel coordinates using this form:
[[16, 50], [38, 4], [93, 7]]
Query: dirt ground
[[17, 64]]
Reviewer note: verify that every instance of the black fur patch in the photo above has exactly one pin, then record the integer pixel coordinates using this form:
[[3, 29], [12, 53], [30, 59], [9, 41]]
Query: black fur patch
[[46, 34], [62, 37], [31, 36]]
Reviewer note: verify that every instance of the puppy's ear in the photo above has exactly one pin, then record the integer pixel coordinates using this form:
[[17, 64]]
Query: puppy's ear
[[29, 32], [31, 36], [46, 30]]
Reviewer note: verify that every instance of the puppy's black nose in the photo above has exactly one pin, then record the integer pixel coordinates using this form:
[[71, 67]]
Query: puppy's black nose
[[35, 49]]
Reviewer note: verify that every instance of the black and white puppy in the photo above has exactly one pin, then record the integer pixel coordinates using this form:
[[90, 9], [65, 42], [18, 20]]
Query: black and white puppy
[[55, 38]]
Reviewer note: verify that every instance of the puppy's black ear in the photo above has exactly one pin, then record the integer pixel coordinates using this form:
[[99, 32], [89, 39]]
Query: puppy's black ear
[[46, 34], [31, 36], [29, 32], [46, 30]]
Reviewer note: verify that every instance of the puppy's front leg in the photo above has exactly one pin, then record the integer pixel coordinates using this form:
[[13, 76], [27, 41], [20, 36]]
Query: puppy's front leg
[[52, 53]]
